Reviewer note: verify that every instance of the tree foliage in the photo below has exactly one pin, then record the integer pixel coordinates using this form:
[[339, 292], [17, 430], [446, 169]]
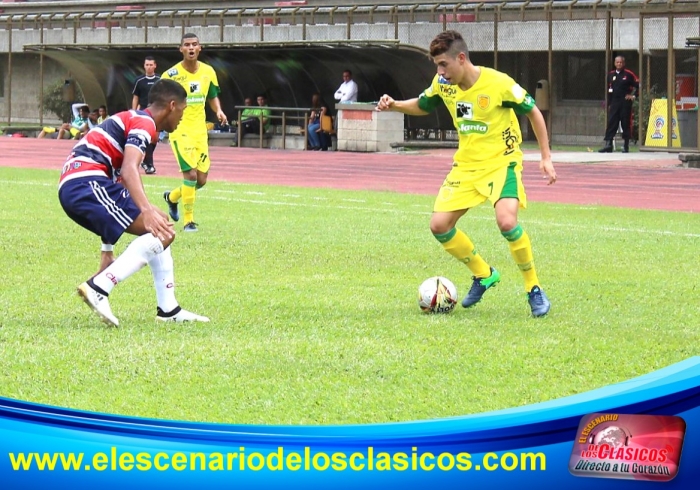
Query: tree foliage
[[52, 101]]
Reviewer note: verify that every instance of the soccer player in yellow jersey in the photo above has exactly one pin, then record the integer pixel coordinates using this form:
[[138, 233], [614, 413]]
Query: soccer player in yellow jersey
[[488, 164], [190, 141]]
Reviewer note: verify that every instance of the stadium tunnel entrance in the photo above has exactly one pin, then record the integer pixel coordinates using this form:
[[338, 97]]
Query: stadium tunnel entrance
[[287, 74]]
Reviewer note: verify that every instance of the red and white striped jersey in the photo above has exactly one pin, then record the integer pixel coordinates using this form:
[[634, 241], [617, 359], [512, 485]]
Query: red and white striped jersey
[[101, 151]]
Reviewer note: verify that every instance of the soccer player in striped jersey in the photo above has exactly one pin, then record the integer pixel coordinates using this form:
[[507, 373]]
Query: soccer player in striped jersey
[[100, 189], [488, 163]]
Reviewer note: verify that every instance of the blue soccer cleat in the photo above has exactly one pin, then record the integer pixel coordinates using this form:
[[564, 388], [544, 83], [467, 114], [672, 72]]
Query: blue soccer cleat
[[479, 287], [191, 227], [172, 207], [539, 303]]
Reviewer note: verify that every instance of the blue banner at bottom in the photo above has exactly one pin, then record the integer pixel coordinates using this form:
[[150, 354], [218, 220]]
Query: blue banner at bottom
[[556, 444]]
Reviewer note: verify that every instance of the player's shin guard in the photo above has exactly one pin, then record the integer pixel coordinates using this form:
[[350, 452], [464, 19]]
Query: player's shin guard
[[189, 194], [137, 254], [162, 268], [458, 244], [521, 250]]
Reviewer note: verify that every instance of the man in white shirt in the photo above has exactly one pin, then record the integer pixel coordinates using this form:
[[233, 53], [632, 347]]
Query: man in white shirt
[[347, 92]]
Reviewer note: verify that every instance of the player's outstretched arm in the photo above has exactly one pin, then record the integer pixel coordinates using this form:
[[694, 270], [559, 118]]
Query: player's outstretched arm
[[410, 106], [540, 129]]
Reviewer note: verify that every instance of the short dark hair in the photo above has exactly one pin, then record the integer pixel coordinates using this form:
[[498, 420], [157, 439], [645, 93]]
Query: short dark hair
[[165, 90], [348, 72], [188, 35], [450, 42], [149, 58]]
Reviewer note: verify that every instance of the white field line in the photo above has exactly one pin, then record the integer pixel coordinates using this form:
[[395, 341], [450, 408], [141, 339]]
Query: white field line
[[403, 210]]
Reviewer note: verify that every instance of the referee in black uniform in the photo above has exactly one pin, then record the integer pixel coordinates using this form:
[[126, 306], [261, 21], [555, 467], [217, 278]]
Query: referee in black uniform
[[140, 101], [623, 86]]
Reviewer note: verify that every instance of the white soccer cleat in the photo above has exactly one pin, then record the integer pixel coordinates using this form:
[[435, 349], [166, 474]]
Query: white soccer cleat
[[99, 303], [179, 315]]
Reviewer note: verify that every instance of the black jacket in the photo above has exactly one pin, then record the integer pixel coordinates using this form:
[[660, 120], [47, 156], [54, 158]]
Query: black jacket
[[621, 84]]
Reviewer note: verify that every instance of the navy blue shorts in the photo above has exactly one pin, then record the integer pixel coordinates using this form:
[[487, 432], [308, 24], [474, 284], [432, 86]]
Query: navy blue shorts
[[99, 205]]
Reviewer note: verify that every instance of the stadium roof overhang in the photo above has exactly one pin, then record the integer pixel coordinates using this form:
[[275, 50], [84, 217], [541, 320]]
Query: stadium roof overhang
[[288, 72], [287, 45]]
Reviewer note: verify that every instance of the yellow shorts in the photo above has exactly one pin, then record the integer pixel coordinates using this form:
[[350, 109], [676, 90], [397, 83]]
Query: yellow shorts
[[465, 189], [49, 130], [74, 132], [191, 153]]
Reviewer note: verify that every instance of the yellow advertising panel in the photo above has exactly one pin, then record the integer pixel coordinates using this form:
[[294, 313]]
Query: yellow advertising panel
[[657, 128]]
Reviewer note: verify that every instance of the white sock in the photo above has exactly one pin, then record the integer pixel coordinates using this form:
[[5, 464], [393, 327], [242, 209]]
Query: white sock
[[164, 280], [136, 255]]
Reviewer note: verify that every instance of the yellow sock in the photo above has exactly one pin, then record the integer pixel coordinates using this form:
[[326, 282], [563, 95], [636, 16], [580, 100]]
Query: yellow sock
[[521, 250], [189, 193], [175, 194], [458, 244]]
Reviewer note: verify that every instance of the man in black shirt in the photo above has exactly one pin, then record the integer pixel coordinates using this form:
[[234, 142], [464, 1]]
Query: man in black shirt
[[140, 101], [622, 90]]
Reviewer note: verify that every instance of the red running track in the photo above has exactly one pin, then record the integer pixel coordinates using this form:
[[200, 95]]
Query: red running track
[[656, 184]]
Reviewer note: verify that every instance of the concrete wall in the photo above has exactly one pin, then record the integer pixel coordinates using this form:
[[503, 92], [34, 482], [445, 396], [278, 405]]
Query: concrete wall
[[572, 121], [512, 35], [26, 87]]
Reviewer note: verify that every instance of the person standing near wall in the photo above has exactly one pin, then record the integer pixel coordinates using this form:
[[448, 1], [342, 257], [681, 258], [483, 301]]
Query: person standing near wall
[[623, 86], [347, 92], [142, 87]]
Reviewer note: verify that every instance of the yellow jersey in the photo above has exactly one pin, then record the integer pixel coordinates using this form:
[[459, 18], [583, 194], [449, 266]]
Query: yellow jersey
[[200, 86], [484, 116]]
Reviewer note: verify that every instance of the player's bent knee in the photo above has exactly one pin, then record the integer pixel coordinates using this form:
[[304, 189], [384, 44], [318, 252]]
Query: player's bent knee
[[505, 225], [439, 227]]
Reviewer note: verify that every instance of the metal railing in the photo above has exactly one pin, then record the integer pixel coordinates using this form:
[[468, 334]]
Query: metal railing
[[77, 15], [281, 114]]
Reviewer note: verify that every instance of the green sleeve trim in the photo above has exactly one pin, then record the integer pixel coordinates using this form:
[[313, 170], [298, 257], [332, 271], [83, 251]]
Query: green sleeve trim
[[428, 104], [523, 108], [445, 237], [214, 91]]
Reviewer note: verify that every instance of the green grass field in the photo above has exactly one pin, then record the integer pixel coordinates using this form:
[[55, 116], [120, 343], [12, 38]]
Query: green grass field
[[312, 295]]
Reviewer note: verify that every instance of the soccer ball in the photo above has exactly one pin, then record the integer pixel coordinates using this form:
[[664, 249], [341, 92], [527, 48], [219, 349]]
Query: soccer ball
[[437, 295]]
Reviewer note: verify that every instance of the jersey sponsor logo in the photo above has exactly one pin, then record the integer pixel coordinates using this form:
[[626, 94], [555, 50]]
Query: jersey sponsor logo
[[483, 101], [172, 72], [195, 99], [465, 128], [442, 79], [194, 87], [510, 139], [447, 90], [465, 110]]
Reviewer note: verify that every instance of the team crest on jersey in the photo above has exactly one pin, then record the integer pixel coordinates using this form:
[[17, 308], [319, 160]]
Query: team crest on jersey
[[465, 110], [483, 101], [194, 87], [172, 72]]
